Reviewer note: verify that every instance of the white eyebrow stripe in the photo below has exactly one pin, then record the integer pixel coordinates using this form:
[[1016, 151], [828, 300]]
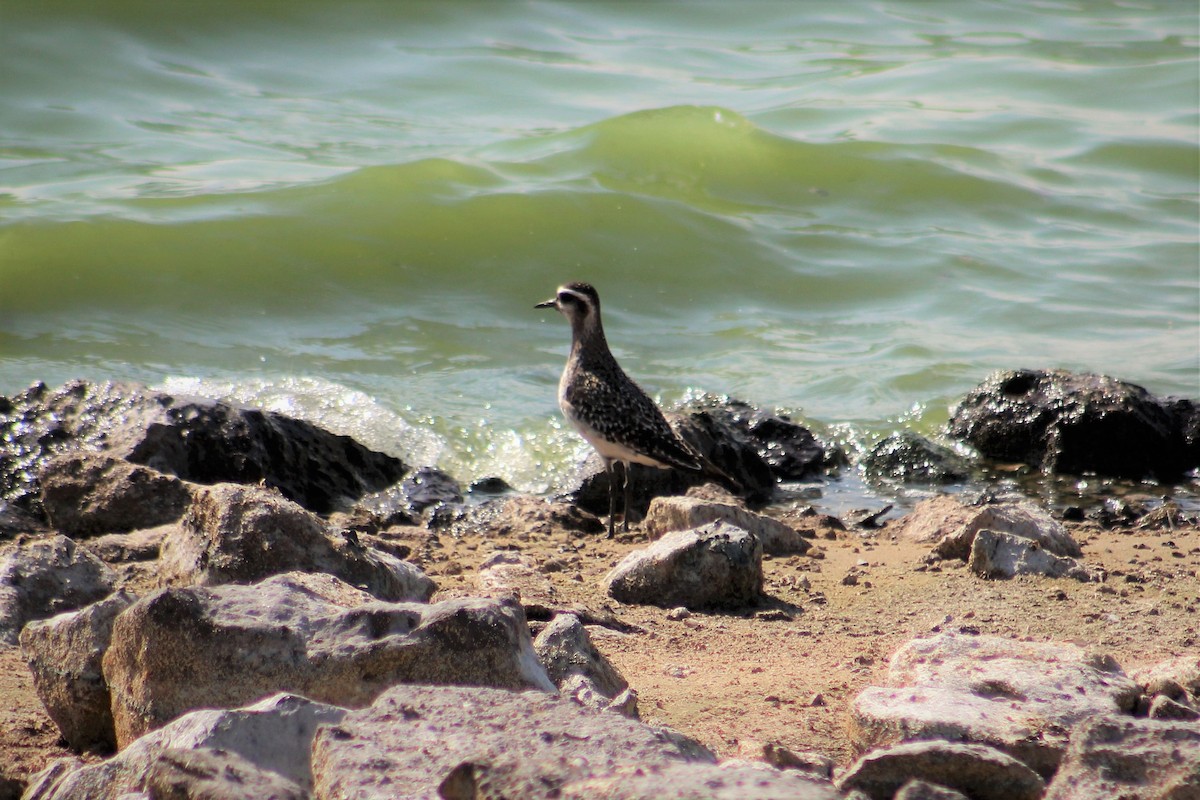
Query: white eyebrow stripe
[[580, 295]]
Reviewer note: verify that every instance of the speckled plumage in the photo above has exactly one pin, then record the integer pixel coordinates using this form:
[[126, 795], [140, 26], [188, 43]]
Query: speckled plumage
[[608, 409]]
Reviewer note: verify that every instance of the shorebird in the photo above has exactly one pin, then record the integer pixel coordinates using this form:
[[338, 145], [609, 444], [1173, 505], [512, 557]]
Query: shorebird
[[608, 409]]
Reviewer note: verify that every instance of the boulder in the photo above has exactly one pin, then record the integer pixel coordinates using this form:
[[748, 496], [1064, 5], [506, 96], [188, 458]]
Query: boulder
[[201, 647], [1076, 423], [1004, 555], [1132, 759], [713, 566], [268, 743], [1019, 697], [566, 651], [908, 457], [960, 526], [197, 440], [453, 742], [1178, 678], [790, 451], [240, 534], [64, 654], [87, 494], [977, 771], [725, 781], [668, 514], [47, 577]]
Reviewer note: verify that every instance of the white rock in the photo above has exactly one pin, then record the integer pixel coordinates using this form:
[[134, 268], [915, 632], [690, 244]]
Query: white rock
[[1019, 697], [675, 513], [1004, 555]]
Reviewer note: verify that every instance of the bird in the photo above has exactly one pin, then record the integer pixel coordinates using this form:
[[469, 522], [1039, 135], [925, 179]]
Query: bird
[[605, 406]]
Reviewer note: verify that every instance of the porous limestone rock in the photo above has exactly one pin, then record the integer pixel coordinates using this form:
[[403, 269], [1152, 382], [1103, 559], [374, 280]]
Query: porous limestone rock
[[1019, 697], [456, 742], [42, 578], [201, 647], [63, 653], [677, 513], [714, 566], [240, 534]]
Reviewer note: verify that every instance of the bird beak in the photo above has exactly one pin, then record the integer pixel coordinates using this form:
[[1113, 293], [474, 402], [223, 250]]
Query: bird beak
[[551, 303]]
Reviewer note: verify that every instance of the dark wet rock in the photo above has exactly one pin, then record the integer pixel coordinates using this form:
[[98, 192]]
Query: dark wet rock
[[1078, 423], [182, 649], [272, 736], [63, 654], [240, 534], [476, 742], [908, 457], [789, 449], [489, 485], [15, 521], [566, 651], [428, 487], [668, 514], [1022, 698], [1132, 759], [980, 772], [995, 554], [196, 440], [86, 494], [714, 566], [44, 578]]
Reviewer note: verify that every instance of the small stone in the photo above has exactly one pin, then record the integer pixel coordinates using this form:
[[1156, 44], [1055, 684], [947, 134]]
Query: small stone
[[678, 613]]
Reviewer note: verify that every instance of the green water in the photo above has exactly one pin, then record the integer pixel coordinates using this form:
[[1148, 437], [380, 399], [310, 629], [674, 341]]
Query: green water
[[346, 211]]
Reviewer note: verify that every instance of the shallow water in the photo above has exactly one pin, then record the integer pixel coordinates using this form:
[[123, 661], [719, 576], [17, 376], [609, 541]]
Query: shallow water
[[347, 211]]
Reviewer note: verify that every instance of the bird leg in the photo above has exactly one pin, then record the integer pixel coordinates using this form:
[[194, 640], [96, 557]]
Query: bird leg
[[612, 494], [625, 516]]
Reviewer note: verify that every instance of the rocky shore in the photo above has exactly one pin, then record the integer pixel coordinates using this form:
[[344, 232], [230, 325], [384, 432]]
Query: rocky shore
[[204, 601]]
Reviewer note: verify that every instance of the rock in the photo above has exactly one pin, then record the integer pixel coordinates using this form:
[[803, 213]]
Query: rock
[[1163, 707], [1003, 555], [121, 548], [566, 651], [64, 654], [1178, 678], [524, 516], [980, 772], [1076, 423], [45, 578], [86, 494], [510, 572], [908, 457], [916, 789], [270, 739], [782, 757], [725, 781], [16, 521], [201, 647], [1132, 759], [713, 566], [196, 440], [207, 774], [1020, 697], [789, 450], [960, 525], [684, 513], [240, 534], [478, 742], [429, 486]]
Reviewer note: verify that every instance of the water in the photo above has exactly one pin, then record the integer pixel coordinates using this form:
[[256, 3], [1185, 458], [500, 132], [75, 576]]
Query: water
[[347, 211]]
